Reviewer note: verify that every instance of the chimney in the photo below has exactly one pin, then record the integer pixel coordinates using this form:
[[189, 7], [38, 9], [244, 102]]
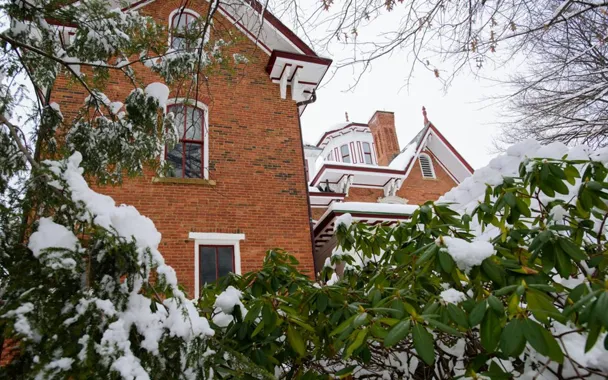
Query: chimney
[[382, 126]]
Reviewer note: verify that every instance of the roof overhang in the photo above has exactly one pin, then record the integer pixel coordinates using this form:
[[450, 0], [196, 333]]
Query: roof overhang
[[323, 199], [302, 73], [364, 212], [362, 175], [351, 127]]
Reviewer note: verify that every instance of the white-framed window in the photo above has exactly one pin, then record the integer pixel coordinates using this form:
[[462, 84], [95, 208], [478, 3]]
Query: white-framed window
[[189, 157], [180, 22], [426, 166], [215, 255]]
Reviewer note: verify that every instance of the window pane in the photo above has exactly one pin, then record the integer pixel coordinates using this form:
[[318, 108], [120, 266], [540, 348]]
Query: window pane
[[174, 158], [194, 124], [178, 43], [193, 167], [345, 155], [178, 111], [366, 148], [208, 265], [224, 260]]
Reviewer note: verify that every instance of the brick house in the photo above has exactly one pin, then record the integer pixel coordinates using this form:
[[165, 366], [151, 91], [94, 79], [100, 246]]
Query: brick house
[[358, 168], [241, 174], [238, 186]]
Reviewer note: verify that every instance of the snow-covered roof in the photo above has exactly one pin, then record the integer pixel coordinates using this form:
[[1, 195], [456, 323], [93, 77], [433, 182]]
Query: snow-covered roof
[[375, 208], [403, 159], [464, 197], [365, 212]]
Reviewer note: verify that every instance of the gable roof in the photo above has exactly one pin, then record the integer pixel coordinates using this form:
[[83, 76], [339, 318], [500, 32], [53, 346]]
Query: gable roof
[[247, 15], [430, 138]]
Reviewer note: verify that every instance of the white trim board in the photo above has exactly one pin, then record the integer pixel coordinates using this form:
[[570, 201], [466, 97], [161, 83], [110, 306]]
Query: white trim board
[[214, 238]]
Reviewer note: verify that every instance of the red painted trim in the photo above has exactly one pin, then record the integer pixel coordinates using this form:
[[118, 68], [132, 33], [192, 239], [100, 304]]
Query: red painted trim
[[336, 152], [360, 149], [282, 72], [297, 57], [450, 147], [353, 153], [298, 67], [339, 129], [326, 194]]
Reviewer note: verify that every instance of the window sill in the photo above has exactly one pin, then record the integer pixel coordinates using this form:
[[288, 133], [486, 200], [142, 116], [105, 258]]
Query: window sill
[[184, 181]]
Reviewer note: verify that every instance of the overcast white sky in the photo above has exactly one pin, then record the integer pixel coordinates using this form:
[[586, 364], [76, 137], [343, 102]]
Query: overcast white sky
[[463, 113]]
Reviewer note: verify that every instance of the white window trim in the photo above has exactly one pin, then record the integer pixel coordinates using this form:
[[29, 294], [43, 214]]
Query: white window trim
[[430, 165], [173, 13], [213, 238], [202, 106]]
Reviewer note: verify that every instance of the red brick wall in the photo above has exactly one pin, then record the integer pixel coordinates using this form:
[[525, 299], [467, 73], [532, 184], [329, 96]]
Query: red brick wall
[[362, 194], [418, 190], [382, 126], [255, 155], [318, 212]]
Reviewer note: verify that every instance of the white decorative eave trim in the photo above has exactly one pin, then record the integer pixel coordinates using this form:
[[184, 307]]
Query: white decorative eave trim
[[303, 73], [216, 236]]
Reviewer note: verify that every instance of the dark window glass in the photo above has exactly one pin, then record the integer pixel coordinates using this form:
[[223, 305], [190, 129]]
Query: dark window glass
[[208, 264], [345, 153], [224, 261], [215, 262], [186, 157], [367, 153]]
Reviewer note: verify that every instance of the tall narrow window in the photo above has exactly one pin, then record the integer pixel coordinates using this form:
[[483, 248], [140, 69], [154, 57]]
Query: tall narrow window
[[181, 22], [345, 153], [426, 166], [367, 154], [306, 169], [187, 157], [215, 262]]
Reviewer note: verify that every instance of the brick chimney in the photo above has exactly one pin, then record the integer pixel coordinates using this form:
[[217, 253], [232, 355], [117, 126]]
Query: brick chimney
[[382, 126]]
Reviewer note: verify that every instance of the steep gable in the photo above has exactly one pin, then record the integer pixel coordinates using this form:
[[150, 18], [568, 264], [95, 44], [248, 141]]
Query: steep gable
[[443, 154]]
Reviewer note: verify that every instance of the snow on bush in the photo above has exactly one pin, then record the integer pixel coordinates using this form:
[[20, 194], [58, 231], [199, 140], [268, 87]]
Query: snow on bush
[[466, 254], [452, 296]]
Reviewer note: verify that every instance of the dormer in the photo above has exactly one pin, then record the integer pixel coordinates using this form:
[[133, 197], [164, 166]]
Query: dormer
[[348, 143]]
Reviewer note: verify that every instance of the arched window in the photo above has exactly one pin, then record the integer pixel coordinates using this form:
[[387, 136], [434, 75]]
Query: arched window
[[345, 153], [187, 157], [180, 23], [367, 154], [426, 166]]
